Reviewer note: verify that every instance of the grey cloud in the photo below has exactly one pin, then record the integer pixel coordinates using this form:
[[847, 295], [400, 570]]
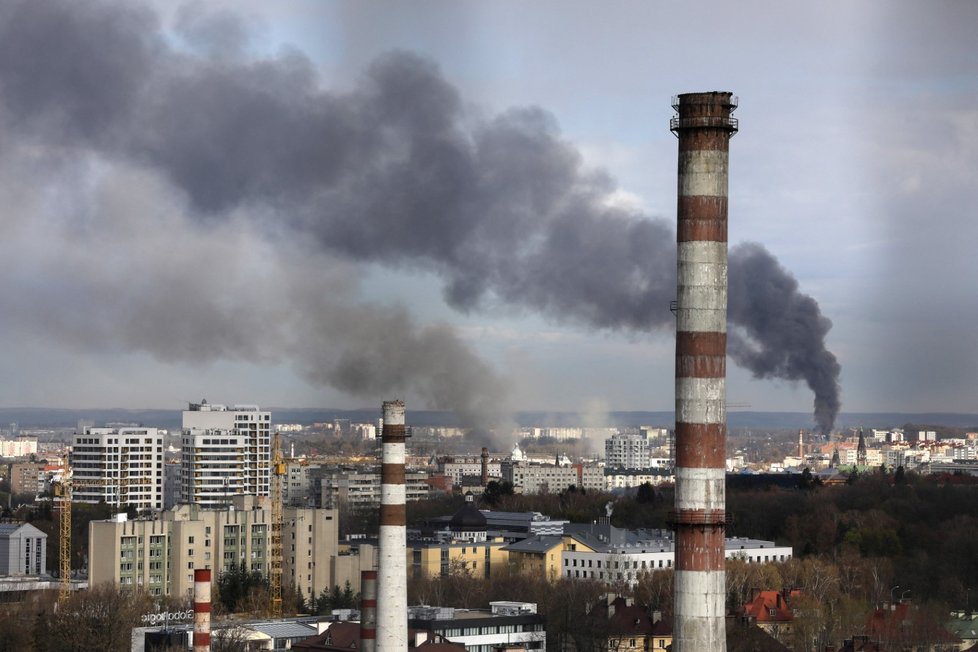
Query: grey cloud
[[395, 172]]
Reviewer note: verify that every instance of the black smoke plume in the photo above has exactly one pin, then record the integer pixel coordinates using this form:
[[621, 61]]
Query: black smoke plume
[[393, 171]]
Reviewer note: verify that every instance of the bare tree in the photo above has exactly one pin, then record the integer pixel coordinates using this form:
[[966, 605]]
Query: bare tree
[[98, 619]]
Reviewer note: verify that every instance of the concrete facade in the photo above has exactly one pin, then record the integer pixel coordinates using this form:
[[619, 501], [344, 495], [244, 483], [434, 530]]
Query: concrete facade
[[251, 429], [23, 549], [118, 466], [161, 554]]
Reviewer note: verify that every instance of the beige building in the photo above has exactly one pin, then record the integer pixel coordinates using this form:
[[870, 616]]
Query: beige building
[[160, 555], [26, 477], [361, 488], [533, 478], [475, 558]]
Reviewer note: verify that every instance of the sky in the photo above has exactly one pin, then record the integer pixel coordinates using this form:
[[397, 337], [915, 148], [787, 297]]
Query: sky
[[471, 205]]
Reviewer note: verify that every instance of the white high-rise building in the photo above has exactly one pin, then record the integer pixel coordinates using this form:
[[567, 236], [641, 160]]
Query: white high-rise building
[[627, 451], [226, 451], [120, 466]]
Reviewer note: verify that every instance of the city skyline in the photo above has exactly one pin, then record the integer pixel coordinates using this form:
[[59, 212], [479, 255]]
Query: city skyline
[[145, 272]]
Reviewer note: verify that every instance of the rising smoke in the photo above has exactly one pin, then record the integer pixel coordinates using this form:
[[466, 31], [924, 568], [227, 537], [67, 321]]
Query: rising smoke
[[393, 171]]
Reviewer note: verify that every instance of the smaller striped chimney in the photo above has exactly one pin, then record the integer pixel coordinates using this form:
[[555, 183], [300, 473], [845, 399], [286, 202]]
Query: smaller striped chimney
[[202, 610], [485, 466], [368, 611]]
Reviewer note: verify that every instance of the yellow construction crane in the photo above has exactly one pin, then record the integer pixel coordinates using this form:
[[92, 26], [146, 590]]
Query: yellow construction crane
[[275, 541], [65, 490]]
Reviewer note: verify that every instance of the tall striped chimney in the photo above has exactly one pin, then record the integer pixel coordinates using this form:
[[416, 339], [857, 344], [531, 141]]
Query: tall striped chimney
[[202, 610], [704, 127], [392, 576], [485, 466], [368, 611]]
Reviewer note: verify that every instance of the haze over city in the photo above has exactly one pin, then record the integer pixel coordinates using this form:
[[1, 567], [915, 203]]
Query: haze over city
[[226, 197]]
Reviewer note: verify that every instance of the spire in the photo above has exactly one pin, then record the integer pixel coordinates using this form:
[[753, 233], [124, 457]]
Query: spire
[[861, 449]]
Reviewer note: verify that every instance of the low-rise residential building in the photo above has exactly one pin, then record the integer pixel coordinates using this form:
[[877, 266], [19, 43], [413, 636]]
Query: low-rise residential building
[[903, 626], [539, 556], [617, 623], [771, 611]]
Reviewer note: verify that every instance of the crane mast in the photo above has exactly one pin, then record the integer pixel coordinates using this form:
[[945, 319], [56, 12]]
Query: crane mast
[[63, 489], [275, 547]]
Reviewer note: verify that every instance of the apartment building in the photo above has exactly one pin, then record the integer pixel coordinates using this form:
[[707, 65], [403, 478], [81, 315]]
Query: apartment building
[[225, 452], [361, 487], [26, 477], [212, 467], [19, 447], [298, 486], [461, 467], [533, 478], [627, 451], [160, 554], [118, 466]]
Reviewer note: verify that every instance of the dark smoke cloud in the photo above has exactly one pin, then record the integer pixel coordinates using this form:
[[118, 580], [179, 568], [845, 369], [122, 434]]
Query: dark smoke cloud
[[780, 332], [393, 171]]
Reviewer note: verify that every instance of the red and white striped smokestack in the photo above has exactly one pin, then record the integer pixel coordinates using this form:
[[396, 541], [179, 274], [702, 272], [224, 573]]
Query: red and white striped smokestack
[[202, 610], [485, 466], [368, 611], [704, 128], [392, 633]]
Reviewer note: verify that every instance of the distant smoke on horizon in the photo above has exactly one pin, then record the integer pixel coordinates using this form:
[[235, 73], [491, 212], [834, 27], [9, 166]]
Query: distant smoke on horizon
[[392, 172]]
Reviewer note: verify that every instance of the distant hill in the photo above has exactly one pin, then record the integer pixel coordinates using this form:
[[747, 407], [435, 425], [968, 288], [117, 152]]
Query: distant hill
[[60, 418]]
